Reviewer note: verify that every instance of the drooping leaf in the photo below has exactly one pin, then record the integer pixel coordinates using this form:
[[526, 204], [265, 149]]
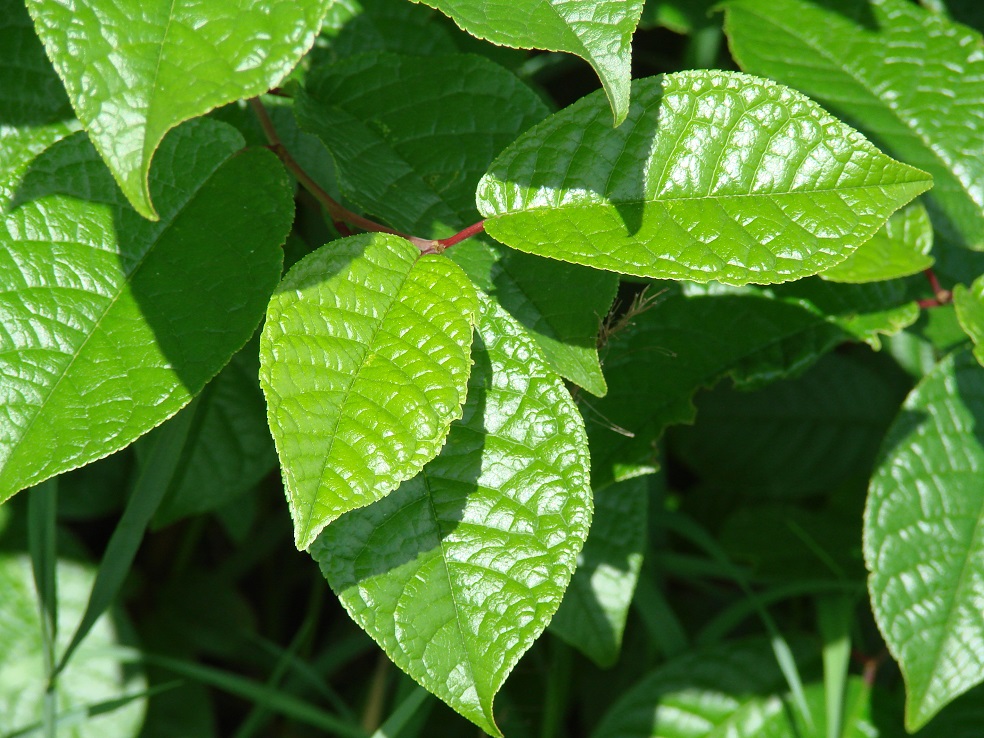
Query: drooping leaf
[[229, 448], [135, 69], [923, 542], [364, 364], [969, 303], [900, 249], [907, 77], [793, 438], [713, 176], [459, 571], [598, 31], [405, 153], [92, 677], [111, 324], [34, 112], [593, 614]]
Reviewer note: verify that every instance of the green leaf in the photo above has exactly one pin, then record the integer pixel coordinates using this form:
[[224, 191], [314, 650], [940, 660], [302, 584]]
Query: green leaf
[[364, 364], [900, 249], [713, 176], [405, 153], [593, 614], [134, 70], [892, 68], [34, 112], [460, 570], [598, 31], [969, 303], [91, 677], [922, 538], [230, 448], [111, 324], [793, 438], [681, 16], [381, 25]]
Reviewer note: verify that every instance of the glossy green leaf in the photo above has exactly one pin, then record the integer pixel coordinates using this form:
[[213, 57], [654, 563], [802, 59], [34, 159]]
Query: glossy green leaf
[[90, 678], [229, 449], [110, 323], [364, 364], [135, 69], [793, 438], [593, 614], [908, 77], [900, 249], [969, 303], [923, 543], [598, 31], [34, 112], [404, 152], [713, 176], [459, 571]]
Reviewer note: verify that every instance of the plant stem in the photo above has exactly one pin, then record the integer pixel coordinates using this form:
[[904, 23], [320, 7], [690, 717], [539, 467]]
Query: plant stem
[[336, 211], [940, 296], [472, 230]]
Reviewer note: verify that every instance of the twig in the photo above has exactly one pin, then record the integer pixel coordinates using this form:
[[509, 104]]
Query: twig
[[940, 296]]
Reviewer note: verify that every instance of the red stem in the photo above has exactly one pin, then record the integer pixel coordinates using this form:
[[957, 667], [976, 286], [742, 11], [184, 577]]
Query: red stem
[[470, 231]]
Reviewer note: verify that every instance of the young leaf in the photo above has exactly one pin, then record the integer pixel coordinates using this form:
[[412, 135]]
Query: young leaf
[[134, 70], [598, 31], [922, 538], [593, 614], [900, 249], [459, 571], [713, 176], [111, 324], [969, 303], [404, 152], [892, 68], [364, 364]]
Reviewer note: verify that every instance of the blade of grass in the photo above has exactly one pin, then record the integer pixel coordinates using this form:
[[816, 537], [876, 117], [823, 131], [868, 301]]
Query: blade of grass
[[693, 532], [144, 500], [396, 722], [558, 688], [661, 622], [42, 543], [247, 689], [835, 615]]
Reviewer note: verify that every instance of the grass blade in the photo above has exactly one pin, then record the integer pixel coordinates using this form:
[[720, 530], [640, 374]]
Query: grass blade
[[42, 514]]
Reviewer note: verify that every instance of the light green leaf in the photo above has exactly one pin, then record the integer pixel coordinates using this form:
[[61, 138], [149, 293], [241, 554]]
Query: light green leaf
[[406, 154], [459, 571], [593, 614], [969, 303], [908, 77], [135, 69], [364, 364], [90, 678], [229, 448], [34, 112], [110, 323], [923, 539], [598, 31], [900, 249], [713, 176]]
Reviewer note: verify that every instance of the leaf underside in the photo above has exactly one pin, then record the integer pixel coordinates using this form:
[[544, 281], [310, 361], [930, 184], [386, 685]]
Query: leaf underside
[[713, 176]]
